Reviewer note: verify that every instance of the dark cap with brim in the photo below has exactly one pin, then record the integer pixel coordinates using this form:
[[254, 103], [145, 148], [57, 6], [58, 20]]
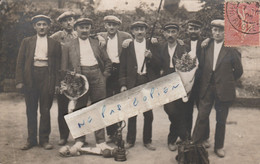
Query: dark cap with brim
[[113, 19], [81, 21], [65, 15], [195, 23], [139, 24], [37, 18], [171, 25]]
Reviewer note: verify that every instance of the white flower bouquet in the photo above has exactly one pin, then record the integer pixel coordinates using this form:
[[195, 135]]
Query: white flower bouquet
[[186, 66], [73, 86]]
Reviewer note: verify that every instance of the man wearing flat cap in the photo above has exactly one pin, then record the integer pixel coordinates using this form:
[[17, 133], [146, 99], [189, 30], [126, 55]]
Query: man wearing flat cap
[[114, 39], [38, 63], [67, 33], [170, 52], [64, 36], [221, 67], [86, 57], [193, 46], [139, 65]]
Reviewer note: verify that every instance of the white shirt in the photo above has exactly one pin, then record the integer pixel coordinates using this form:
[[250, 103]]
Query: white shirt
[[171, 51], [217, 48], [112, 49], [193, 46], [87, 57], [139, 52], [41, 49]]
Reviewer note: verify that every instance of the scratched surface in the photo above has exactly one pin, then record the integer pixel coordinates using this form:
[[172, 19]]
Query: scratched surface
[[124, 105]]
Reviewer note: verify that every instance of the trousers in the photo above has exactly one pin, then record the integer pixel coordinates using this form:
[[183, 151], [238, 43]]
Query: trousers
[[176, 114], [63, 103], [148, 119], [113, 88], [39, 93], [96, 92], [205, 106]]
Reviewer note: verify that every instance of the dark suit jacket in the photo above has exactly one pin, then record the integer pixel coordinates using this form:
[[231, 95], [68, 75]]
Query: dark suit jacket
[[121, 36], [165, 57], [71, 57], [25, 60], [228, 69], [128, 66]]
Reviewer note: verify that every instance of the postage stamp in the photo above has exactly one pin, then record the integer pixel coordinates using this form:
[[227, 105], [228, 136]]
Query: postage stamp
[[242, 23]]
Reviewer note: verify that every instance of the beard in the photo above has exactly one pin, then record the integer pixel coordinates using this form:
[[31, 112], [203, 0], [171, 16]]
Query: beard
[[194, 36]]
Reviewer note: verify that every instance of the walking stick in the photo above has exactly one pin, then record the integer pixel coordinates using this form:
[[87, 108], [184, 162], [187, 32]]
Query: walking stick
[[152, 33]]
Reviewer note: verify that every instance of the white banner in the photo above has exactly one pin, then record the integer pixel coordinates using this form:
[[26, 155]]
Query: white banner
[[125, 105]]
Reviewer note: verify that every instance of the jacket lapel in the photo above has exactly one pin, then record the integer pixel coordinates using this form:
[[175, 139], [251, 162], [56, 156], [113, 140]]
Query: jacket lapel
[[211, 54], [166, 55], [120, 41], [198, 48], [221, 56], [32, 47], [76, 53], [132, 52], [93, 46]]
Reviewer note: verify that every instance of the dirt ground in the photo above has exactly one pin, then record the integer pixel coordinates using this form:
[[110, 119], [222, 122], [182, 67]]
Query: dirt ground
[[242, 142]]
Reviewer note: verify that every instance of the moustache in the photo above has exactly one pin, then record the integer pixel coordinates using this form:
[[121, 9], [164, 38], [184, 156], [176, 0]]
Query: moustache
[[170, 37], [84, 33], [194, 34]]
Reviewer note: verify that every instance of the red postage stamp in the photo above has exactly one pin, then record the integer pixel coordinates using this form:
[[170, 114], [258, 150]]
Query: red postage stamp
[[242, 23]]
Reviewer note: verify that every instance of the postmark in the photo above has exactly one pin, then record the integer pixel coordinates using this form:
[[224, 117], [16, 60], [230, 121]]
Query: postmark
[[242, 23]]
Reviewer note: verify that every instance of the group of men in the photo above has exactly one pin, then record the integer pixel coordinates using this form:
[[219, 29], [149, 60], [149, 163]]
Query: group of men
[[115, 61]]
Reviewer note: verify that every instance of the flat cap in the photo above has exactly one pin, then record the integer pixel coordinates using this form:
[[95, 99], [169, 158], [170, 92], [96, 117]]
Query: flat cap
[[173, 25], [83, 21], [112, 18], [218, 23], [139, 24], [65, 15], [37, 18], [195, 23]]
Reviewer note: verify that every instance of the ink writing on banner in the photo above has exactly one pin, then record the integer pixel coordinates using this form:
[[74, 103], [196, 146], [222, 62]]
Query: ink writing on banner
[[125, 105]]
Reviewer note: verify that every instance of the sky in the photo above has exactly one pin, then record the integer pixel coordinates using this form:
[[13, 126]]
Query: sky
[[190, 5]]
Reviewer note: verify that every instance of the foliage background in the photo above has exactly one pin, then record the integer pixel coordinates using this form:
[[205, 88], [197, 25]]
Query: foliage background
[[15, 22]]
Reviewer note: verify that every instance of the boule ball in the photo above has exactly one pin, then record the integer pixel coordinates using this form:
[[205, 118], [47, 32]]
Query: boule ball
[[107, 153]]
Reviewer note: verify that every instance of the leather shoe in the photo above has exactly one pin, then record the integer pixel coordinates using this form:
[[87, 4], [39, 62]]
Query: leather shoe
[[172, 147], [47, 146], [62, 142], [28, 146], [149, 146], [129, 145], [220, 152], [206, 143]]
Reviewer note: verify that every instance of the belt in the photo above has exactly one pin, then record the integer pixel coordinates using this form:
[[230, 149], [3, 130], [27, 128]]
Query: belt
[[40, 63], [90, 67]]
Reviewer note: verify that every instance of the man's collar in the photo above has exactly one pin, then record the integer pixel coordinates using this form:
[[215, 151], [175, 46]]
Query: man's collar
[[81, 40], [41, 37], [115, 36], [144, 41], [172, 45], [219, 42]]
